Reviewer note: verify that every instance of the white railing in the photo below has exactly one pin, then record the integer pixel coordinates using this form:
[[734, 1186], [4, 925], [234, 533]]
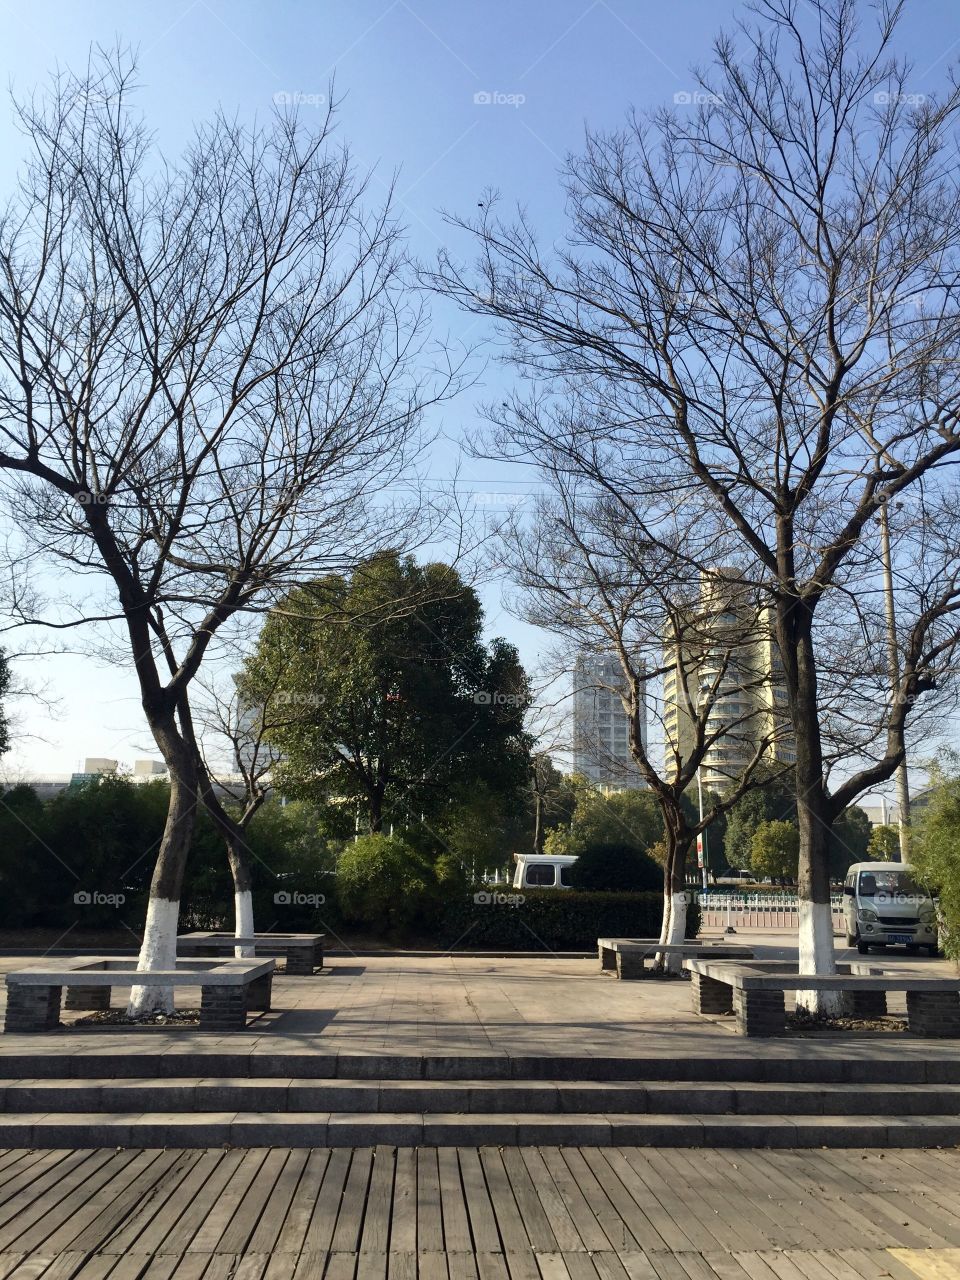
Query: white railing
[[760, 911]]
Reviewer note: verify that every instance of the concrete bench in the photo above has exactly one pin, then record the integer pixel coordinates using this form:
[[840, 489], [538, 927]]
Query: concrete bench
[[628, 955], [303, 951], [755, 994], [229, 989]]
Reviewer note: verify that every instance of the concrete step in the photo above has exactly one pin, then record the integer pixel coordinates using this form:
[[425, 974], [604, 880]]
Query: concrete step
[[345, 1129], [471, 1097], [801, 1061]]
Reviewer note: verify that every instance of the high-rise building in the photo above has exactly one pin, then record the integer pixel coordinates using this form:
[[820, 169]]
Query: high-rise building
[[724, 650], [601, 739]]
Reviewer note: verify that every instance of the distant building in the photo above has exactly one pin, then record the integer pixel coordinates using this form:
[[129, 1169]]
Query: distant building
[[601, 739], [726, 650]]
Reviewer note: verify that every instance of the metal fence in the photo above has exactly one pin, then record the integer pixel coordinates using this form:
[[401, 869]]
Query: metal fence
[[760, 911]]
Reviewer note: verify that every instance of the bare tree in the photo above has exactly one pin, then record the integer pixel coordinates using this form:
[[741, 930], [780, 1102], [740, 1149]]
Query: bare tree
[[756, 310], [211, 380], [689, 651]]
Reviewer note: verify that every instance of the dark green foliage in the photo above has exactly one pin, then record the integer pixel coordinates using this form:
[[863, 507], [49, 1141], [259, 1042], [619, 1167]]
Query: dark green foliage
[[773, 802], [386, 885], [849, 840], [615, 867], [555, 920]]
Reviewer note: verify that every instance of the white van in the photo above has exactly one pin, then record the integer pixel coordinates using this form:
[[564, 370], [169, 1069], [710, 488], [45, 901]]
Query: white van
[[883, 906], [542, 870]]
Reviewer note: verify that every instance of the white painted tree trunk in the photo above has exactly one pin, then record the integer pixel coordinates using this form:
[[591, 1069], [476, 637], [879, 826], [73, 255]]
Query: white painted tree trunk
[[158, 951], [243, 908], [817, 955], [673, 929]]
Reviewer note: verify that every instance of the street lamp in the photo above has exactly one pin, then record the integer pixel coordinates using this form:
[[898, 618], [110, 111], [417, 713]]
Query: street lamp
[[893, 664]]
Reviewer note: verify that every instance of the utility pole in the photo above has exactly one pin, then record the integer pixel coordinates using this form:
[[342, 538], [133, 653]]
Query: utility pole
[[893, 663]]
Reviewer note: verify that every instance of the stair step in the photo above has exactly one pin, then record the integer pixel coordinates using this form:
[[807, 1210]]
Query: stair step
[[470, 1097], [345, 1129], [806, 1062]]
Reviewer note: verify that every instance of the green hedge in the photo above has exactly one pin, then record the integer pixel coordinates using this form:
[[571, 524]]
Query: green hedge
[[547, 918]]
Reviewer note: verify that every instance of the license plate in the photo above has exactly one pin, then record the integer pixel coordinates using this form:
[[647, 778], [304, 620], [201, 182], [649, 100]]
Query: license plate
[[899, 937]]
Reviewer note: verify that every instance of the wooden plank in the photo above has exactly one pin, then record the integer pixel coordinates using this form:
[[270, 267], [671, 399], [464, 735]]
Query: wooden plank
[[906, 1225], [580, 1266], [310, 1265], [39, 1176], [613, 1225], [535, 1221], [346, 1234], [724, 1266], [219, 1215], [371, 1266], [402, 1265], [432, 1265], [632, 1171], [638, 1223], [492, 1266], [576, 1208], [509, 1220], [555, 1208], [403, 1217], [934, 1264], [324, 1220], [552, 1266], [456, 1220], [375, 1236], [281, 1266], [701, 1220], [341, 1266], [637, 1265], [754, 1266], [429, 1210], [135, 1233], [249, 1209], [795, 1226], [522, 1265], [461, 1266], [9, 1263], [483, 1222], [790, 1183], [162, 1267], [125, 1201], [303, 1202], [174, 1227], [36, 1225], [278, 1204]]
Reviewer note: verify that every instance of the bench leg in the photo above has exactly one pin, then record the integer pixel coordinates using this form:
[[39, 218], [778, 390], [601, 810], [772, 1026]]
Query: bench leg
[[300, 961], [630, 964], [709, 995], [608, 958], [259, 992], [867, 1004], [96, 998], [32, 1008], [223, 1008], [318, 955], [933, 1013], [759, 1013]]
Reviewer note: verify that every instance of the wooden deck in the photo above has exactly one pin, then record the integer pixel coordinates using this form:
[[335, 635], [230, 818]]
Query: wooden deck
[[479, 1214]]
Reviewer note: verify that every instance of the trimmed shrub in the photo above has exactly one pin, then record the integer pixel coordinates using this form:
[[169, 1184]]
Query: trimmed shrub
[[611, 867], [555, 920], [384, 884]]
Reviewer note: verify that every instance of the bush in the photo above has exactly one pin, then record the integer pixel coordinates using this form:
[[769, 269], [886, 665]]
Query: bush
[[557, 921], [385, 884], [612, 867]]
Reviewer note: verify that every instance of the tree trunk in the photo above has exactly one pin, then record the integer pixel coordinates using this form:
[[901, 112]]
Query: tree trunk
[[538, 831], [159, 947], [815, 939], [244, 925], [674, 925]]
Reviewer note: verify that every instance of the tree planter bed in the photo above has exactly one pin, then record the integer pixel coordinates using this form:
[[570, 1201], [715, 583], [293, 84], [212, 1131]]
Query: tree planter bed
[[229, 989], [303, 952], [755, 993], [627, 956]]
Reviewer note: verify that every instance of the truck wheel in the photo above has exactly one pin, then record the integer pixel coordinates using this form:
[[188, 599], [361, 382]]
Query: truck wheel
[[933, 949], [862, 947], [851, 942], [913, 946]]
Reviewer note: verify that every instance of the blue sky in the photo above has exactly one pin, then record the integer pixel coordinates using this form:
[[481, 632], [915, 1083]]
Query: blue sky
[[408, 74]]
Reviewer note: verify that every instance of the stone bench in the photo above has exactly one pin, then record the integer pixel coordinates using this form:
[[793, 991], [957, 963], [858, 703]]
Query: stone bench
[[755, 994], [303, 952], [628, 956], [229, 989]]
